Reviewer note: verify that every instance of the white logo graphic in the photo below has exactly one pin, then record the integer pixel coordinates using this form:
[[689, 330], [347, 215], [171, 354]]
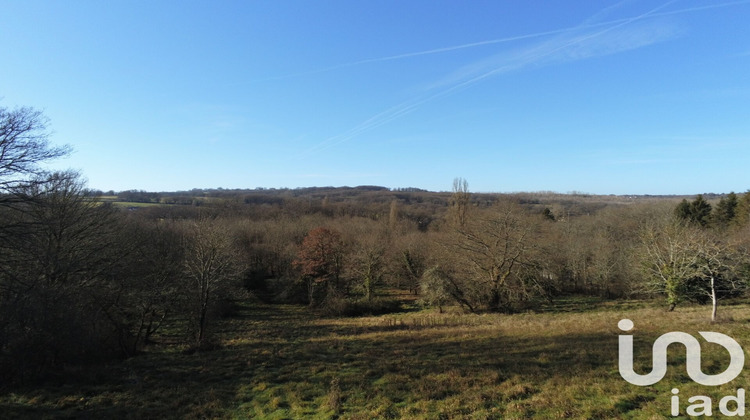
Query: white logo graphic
[[693, 360]]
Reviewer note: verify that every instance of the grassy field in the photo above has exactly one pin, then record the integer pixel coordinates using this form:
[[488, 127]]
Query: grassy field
[[280, 362]]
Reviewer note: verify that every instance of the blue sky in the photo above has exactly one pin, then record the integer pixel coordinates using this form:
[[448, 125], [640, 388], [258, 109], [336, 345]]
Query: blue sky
[[629, 97]]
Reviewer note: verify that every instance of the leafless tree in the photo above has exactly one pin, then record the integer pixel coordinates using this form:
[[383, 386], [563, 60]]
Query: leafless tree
[[24, 145], [493, 256], [150, 282], [435, 287], [408, 259], [210, 264], [367, 262], [393, 215], [56, 275], [460, 201], [717, 268], [690, 263], [668, 260]]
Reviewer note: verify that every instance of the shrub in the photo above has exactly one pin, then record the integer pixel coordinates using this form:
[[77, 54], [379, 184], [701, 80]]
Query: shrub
[[339, 306]]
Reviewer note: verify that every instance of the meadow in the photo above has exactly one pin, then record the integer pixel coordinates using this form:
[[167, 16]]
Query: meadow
[[284, 362]]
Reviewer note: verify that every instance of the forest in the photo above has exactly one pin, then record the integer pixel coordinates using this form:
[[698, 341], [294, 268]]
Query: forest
[[91, 277]]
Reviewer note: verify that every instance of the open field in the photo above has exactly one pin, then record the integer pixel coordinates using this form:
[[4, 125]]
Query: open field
[[281, 362], [112, 199]]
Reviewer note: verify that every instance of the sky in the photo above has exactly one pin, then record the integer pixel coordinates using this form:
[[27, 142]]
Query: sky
[[601, 97]]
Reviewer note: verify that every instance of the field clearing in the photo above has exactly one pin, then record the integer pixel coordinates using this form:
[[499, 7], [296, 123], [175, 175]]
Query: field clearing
[[281, 362], [123, 204]]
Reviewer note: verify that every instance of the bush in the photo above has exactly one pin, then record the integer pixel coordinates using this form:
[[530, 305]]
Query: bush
[[40, 337], [338, 306]]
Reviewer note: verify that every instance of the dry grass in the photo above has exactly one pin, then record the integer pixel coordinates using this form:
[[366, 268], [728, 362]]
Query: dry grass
[[279, 362]]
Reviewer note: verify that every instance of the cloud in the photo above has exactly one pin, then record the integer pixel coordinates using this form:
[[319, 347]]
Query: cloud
[[570, 47], [617, 41], [590, 23], [585, 41], [588, 40]]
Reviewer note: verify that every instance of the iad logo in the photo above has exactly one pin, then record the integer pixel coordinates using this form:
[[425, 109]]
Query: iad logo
[[693, 362], [703, 404]]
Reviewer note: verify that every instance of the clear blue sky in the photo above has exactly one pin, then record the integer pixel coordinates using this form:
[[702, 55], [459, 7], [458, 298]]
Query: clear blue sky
[[629, 97]]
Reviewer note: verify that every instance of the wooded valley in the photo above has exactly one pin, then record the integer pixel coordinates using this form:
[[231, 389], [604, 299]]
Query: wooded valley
[[88, 277]]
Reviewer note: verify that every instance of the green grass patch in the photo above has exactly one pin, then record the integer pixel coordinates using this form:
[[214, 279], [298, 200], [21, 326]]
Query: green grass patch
[[282, 362], [127, 204]]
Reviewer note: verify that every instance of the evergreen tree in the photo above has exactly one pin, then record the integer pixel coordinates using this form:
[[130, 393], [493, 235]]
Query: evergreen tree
[[682, 211], [696, 212], [700, 211], [742, 211], [725, 211]]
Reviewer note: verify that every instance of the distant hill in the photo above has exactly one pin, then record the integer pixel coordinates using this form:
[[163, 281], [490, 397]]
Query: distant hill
[[374, 201]]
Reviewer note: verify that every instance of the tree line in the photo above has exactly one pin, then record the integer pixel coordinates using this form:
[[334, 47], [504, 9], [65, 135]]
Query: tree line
[[85, 280]]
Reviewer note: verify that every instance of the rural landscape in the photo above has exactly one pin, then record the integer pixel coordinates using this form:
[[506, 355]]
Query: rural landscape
[[352, 302], [355, 210]]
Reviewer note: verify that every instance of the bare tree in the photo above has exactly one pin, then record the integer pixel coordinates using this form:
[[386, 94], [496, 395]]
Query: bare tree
[[210, 264], [409, 254], [493, 255], [716, 268], [56, 276], [460, 201], [367, 263], [24, 144], [393, 215], [668, 260], [64, 226], [435, 287], [152, 271], [689, 263]]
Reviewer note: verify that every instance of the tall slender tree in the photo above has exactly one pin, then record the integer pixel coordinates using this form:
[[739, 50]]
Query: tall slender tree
[[460, 201]]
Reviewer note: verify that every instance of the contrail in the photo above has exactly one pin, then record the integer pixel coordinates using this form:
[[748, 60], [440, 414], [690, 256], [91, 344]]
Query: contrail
[[534, 35], [498, 41], [425, 52], [409, 106]]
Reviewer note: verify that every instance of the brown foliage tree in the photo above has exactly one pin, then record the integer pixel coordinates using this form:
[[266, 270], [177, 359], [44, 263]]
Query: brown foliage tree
[[320, 260]]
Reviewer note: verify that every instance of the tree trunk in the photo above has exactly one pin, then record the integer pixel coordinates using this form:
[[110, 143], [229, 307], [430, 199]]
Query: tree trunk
[[714, 302], [202, 323], [311, 292]]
